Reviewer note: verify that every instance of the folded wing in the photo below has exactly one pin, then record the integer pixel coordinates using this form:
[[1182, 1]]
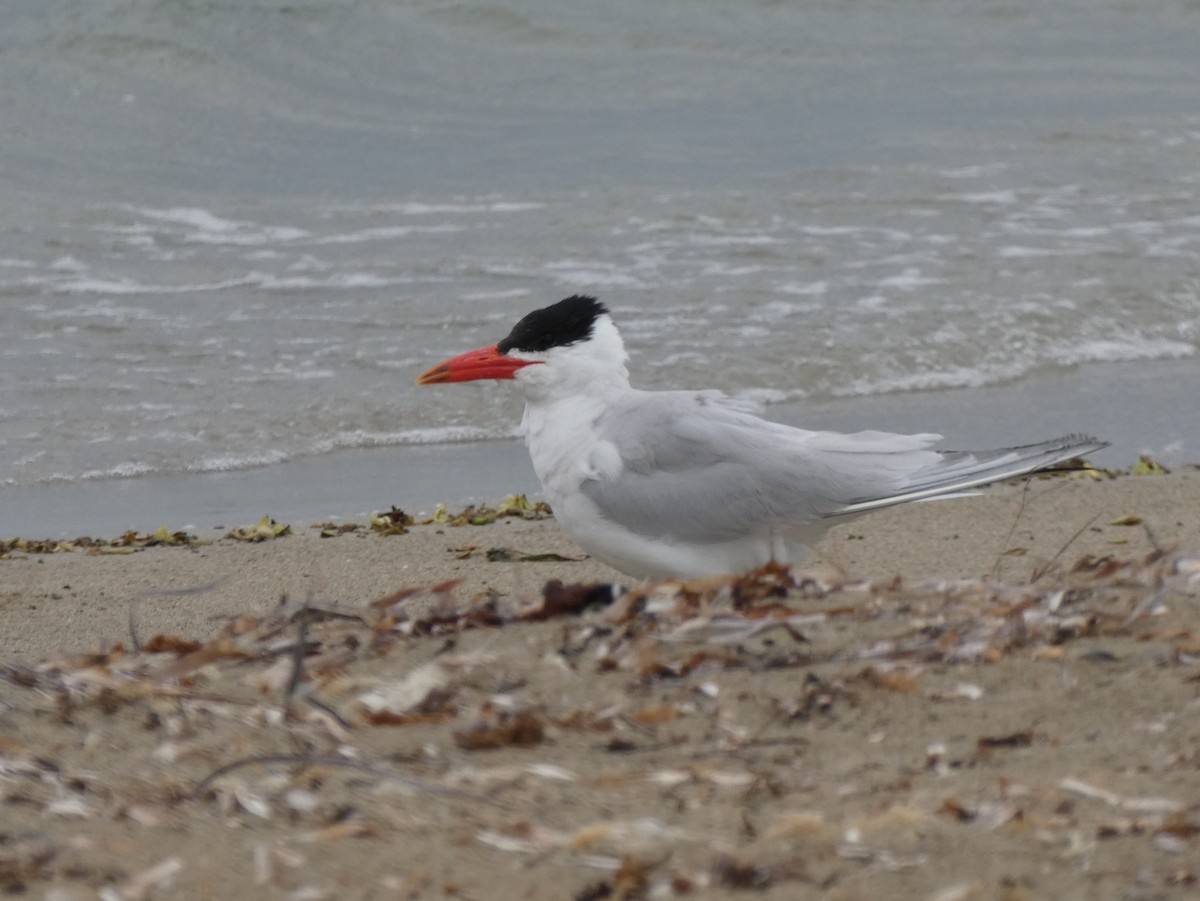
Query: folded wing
[[700, 467]]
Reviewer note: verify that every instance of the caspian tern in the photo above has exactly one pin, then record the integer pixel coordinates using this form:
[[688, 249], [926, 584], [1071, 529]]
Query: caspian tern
[[679, 484]]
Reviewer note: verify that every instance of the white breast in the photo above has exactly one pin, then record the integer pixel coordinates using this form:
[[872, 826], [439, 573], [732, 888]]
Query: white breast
[[566, 451]]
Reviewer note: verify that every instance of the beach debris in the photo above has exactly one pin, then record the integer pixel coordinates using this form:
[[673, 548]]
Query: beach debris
[[394, 522], [26, 859], [35, 546], [564, 600], [425, 690], [1075, 468], [514, 505], [987, 743], [127, 543], [143, 884], [512, 555], [735, 872], [337, 529], [171, 644], [1147, 466], [520, 505], [263, 530], [161, 536], [501, 729], [658, 741]]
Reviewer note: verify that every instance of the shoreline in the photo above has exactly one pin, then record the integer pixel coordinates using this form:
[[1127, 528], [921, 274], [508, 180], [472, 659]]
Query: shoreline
[[1001, 531], [1132, 405]]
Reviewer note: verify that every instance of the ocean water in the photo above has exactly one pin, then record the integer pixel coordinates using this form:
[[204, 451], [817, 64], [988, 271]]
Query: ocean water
[[231, 234]]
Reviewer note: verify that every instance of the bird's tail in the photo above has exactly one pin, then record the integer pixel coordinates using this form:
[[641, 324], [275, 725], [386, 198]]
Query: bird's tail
[[959, 471]]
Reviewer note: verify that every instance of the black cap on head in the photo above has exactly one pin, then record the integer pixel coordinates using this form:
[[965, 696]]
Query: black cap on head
[[558, 325]]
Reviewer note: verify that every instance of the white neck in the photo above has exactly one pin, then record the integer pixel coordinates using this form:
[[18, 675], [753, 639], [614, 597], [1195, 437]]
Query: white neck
[[564, 397]]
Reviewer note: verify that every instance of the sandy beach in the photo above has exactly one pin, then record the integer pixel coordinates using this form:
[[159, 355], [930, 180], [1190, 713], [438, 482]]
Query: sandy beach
[[992, 697]]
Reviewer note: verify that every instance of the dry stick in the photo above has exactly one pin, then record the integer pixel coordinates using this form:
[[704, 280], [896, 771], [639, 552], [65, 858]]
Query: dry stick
[[321, 760], [133, 635], [1017, 520], [305, 618], [1013, 528], [1038, 573], [1150, 536], [297, 659], [325, 708]]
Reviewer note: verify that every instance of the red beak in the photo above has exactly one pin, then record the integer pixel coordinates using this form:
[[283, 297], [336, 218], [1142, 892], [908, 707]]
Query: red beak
[[485, 363]]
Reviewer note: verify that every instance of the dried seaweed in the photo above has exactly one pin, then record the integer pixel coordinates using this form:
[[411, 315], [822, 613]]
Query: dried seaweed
[[394, 522], [126, 543], [265, 529], [512, 555], [514, 505]]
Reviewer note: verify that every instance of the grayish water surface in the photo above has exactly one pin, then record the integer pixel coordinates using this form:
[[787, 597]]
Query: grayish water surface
[[231, 234]]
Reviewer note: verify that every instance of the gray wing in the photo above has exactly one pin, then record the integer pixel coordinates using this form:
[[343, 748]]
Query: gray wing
[[964, 470], [700, 467], [697, 466]]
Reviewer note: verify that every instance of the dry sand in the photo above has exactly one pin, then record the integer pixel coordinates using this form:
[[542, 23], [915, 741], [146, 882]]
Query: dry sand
[[1001, 721]]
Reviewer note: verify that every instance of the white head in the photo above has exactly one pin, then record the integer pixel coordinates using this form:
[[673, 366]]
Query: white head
[[563, 350]]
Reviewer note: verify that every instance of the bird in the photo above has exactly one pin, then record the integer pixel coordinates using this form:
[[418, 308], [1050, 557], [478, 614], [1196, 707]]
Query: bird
[[682, 484]]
